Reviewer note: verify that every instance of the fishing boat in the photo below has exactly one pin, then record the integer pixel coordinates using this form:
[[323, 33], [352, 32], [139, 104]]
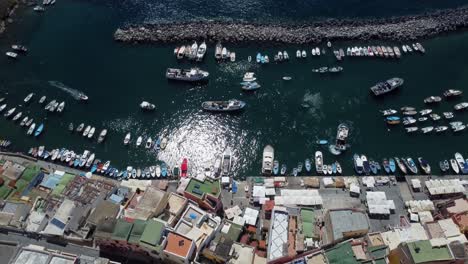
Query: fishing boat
[[10, 112], [341, 137], [461, 106], [232, 105], [127, 139], [319, 162], [147, 106], [358, 165], [452, 93], [184, 168], [401, 165], [382, 88], [308, 165], [267, 161], [149, 143], [461, 163], [275, 167], [432, 99], [388, 112], [17, 116], [139, 141], [28, 98], [454, 165], [227, 162], [187, 75], [386, 165], [31, 129], [424, 165], [102, 136], [39, 130]]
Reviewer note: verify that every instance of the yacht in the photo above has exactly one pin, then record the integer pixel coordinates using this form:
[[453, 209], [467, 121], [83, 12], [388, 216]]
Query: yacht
[[223, 106], [387, 86], [267, 161], [341, 137], [452, 93], [319, 162], [461, 106], [187, 75], [249, 77], [201, 51], [358, 165]]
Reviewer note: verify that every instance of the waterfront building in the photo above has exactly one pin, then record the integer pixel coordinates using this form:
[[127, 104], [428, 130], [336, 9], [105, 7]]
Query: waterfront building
[[206, 194]]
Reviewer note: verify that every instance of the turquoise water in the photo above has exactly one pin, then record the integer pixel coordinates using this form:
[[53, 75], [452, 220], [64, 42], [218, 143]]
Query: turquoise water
[[72, 43]]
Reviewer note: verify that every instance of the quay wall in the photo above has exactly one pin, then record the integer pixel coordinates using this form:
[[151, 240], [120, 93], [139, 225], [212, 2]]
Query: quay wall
[[393, 29]]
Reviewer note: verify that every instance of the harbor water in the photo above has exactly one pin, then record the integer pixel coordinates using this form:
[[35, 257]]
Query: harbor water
[[72, 50]]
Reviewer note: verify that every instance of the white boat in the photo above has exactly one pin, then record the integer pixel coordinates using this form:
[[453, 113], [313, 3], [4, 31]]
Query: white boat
[[127, 139], [304, 54], [454, 165], [158, 171], [60, 107], [10, 112], [26, 100], [460, 160], [318, 162], [149, 143], [31, 129], [461, 106], [285, 55], [17, 116], [86, 131], [91, 132], [147, 106], [232, 56], [163, 143], [317, 51], [11, 54], [102, 135], [42, 100], [267, 161], [298, 54], [139, 141], [425, 112], [249, 77], [38, 8], [201, 51], [428, 129], [193, 51], [24, 121], [181, 52], [411, 129], [90, 160], [224, 53], [313, 52], [2, 107]]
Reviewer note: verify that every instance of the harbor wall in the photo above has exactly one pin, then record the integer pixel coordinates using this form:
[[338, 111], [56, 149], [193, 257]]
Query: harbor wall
[[393, 29]]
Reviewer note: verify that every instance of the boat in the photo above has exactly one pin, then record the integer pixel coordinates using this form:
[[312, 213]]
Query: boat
[[294, 172], [163, 143], [267, 161], [403, 47], [428, 129], [461, 163], [287, 78], [39, 130], [452, 93], [28, 98], [444, 165], [448, 115], [298, 54], [275, 167], [319, 162], [251, 86], [11, 54], [440, 129], [71, 127], [39, 8], [408, 121], [139, 141], [300, 166], [223, 106], [341, 137], [10, 112], [80, 127], [401, 166], [392, 120], [249, 77], [31, 129], [365, 164], [149, 143], [324, 169], [461, 106], [127, 139], [218, 50], [425, 112], [454, 165], [386, 165], [232, 56], [392, 165], [224, 53], [420, 48], [17, 116], [422, 119], [201, 51], [321, 142], [2, 107], [411, 129], [372, 167], [407, 108], [249, 58], [308, 165], [90, 160], [147, 106], [60, 107], [283, 169], [387, 86], [86, 131], [259, 58], [330, 169], [285, 55], [358, 165], [397, 52], [226, 162], [432, 99], [29, 122], [102, 136], [82, 97], [184, 168], [339, 170], [424, 165], [157, 144], [435, 116], [24, 121], [410, 165], [304, 54], [187, 75], [388, 112], [335, 69]]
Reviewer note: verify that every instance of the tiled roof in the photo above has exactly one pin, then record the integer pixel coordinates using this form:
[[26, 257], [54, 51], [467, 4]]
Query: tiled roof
[[178, 245]]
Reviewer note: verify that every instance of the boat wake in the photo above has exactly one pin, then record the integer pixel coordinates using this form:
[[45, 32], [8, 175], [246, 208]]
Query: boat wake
[[73, 92]]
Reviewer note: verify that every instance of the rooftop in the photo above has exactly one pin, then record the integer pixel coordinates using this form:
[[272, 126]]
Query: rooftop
[[422, 251], [122, 230], [137, 231], [278, 239], [199, 188], [342, 253], [178, 245], [343, 221], [308, 222], [151, 236], [144, 206], [104, 209], [241, 254]]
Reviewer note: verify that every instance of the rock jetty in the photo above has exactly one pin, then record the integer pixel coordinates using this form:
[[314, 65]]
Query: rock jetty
[[394, 29]]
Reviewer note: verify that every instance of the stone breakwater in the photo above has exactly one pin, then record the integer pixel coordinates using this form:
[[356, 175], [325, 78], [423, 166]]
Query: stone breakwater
[[395, 29]]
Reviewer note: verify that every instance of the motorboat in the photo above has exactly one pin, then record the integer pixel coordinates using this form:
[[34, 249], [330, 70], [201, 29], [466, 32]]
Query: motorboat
[[319, 162], [341, 137], [24, 121], [232, 56], [452, 93], [149, 143], [251, 86], [28, 98], [425, 112], [401, 165], [432, 99], [408, 121], [163, 170], [422, 119], [80, 127], [424, 165], [226, 162], [308, 165], [298, 54], [31, 129], [448, 115], [428, 129], [139, 141], [249, 77], [10, 112], [86, 131], [304, 54], [60, 107], [461, 163], [90, 160], [388, 112], [224, 53], [147, 106], [285, 55], [187, 75], [158, 171], [440, 129], [409, 113], [184, 168], [275, 167], [458, 128], [82, 97], [454, 165], [393, 120], [386, 165], [321, 142], [2, 107], [435, 116], [29, 122], [410, 165], [127, 139], [39, 130], [11, 54], [201, 51], [218, 50], [407, 108], [358, 165], [163, 143], [324, 169], [300, 166], [411, 129], [71, 128], [461, 106], [339, 170], [17, 116], [373, 167], [157, 144], [223, 106], [444, 165], [420, 48], [102, 136], [382, 88], [39, 8], [267, 161], [283, 169], [365, 165], [392, 165]]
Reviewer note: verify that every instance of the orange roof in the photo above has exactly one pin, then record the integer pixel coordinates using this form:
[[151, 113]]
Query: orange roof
[[262, 244], [252, 229], [268, 206], [178, 245]]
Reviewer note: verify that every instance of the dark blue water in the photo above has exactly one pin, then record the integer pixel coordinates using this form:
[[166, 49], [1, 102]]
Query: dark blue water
[[72, 43]]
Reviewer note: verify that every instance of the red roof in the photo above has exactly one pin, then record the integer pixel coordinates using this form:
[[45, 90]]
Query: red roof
[[269, 204], [244, 239]]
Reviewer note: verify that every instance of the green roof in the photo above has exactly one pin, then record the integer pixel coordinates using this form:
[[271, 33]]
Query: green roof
[[341, 253], [308, 222], [137, 230], [377, 251], [122, 230], [30, 172], [152, 233], [422, 251], [234, 232], [208, 186]]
